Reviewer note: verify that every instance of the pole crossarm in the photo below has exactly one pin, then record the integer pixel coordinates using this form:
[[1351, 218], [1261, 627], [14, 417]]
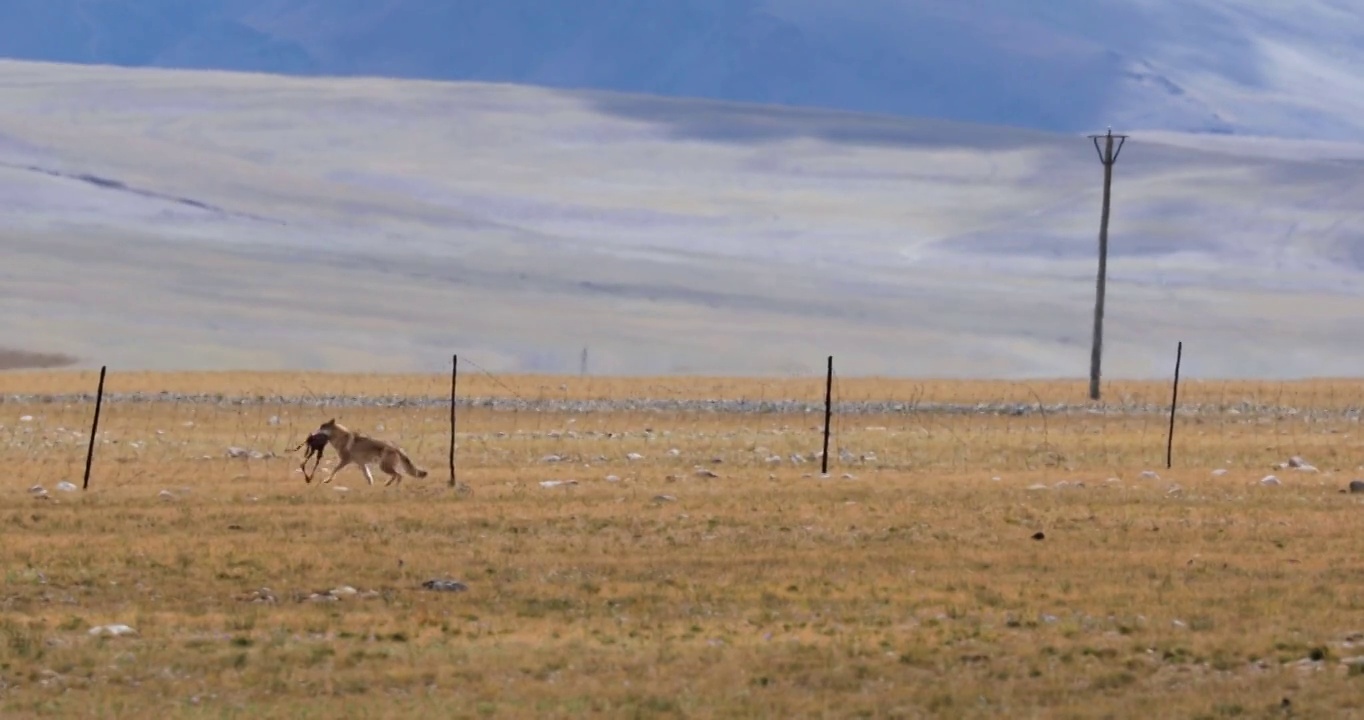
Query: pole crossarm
[[1116, 147]]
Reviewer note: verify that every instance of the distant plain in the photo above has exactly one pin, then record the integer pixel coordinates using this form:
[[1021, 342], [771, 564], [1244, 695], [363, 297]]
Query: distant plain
[[201, 220]]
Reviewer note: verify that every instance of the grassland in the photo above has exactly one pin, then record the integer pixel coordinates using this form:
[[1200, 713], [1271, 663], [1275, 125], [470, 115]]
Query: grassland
[[699, 579]]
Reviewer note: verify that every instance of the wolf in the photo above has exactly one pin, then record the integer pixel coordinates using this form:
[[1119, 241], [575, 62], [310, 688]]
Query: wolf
[[352, 447]]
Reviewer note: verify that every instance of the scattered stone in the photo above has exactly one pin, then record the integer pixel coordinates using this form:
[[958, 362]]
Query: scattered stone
[[1039, 535], [557, 483], [665, 498], [445, 585], [1038, 486], [612, 478], [38, 490], [322, 597], [1175, 490], [1179, 623], [707, 473], [344, 591], [551, 459], [1149, 475], [674, 452], [1269, 480], [26, 418], [116, 630], [1219, 472], [239, 453], [774, 460], [341, 489], [1295, 462], [65, 486], [849, 476], [1357, 486], [166, 495], [263, 595], [634, 456]]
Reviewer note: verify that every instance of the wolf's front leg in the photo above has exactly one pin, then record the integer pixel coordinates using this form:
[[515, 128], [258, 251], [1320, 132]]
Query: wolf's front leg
[[344, 462], [368, 476]]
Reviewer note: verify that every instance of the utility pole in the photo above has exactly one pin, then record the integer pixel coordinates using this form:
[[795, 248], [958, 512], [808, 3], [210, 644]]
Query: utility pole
[[1108, 155]]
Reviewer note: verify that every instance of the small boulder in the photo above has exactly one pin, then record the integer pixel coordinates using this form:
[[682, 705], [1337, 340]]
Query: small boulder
[[445, 585], [115, 630], [1357, 486]]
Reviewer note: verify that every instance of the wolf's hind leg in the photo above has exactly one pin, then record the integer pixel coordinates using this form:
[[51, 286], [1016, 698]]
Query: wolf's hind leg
[[389, 465]]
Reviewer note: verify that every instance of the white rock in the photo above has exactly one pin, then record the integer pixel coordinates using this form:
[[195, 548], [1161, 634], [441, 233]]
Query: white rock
[[1038, 486], [1149, 475], [612, 478], [26, 418], [1270, 480], [116, 630], [166, 495], [1219, 472], [634, 456], [65, 486], [556, 483], [550, 459], [38, 490]]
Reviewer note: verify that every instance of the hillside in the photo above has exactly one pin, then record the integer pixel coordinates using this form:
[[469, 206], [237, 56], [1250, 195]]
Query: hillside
[[1257, 67], [172, 219]]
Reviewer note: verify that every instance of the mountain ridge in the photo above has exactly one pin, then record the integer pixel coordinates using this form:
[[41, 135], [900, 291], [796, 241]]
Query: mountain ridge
[[1245, 67]]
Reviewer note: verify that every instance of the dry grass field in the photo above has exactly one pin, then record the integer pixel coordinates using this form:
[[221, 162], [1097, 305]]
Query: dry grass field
[[685, 566]]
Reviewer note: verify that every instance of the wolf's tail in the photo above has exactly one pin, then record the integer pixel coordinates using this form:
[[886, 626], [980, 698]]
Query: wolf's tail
[[411, 469]]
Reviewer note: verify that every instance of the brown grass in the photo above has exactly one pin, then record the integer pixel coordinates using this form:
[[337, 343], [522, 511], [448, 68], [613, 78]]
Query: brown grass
[[911, 588]]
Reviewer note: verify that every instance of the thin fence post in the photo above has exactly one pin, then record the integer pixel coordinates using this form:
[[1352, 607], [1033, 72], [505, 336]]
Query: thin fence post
[[454, 382], [94, 428], [1174, 402], [828, 414]]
